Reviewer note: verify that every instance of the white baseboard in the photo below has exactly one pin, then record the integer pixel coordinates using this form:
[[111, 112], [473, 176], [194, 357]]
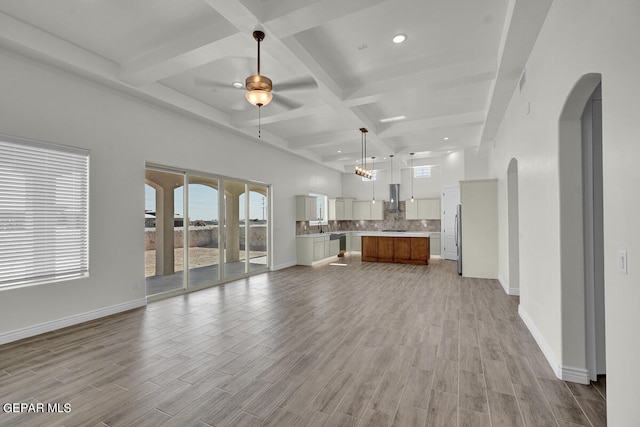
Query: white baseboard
[[565, 373], [546, 350], [284, 265], [504, 284], [69, 321], [435, 256], [507, 289], [576, 375]]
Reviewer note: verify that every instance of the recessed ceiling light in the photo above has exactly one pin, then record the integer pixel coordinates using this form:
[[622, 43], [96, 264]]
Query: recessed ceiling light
[[238, 85], [392, 119], [339, 151], [399, 38], [446, 138]]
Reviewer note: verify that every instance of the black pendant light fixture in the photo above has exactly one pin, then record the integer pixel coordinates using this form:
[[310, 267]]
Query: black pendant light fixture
[[373, 181], [362, 170], [412, 199]]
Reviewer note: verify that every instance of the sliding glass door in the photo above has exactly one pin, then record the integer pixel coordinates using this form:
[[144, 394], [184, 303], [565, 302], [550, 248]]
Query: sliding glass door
[[217, 227]]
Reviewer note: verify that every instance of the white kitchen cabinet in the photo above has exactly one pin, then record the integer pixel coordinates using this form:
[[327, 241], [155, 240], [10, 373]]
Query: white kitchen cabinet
[[377, 210], [367, 210], [340, 209], [422, 209], [306, 208], [434, 245], [318, 249], [361, 209], [311, 249], [355, 245]]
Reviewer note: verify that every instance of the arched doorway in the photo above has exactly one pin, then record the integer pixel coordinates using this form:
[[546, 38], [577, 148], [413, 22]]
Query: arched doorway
[[581, 237], [513, 227]]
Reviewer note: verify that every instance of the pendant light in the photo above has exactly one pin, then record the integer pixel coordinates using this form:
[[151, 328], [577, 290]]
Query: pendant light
[[391, 179], [258, 87], [362, 170], [411, 154], [373, 181]]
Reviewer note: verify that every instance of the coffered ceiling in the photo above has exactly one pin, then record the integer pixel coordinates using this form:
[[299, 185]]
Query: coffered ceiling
[[333, 64]]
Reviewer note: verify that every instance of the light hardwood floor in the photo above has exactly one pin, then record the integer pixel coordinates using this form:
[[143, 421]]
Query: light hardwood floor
[[357, 345]]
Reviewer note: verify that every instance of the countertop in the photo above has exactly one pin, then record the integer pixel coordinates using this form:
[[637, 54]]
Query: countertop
[[398, 233], [378, 233], [322, 234]]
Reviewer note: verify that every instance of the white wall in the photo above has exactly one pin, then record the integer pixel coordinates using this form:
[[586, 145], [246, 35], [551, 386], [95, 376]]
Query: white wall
[[446, 171], [579, 37], [123, 133]]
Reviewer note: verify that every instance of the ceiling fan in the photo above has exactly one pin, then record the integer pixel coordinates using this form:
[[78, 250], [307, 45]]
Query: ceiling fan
[[260, 89]]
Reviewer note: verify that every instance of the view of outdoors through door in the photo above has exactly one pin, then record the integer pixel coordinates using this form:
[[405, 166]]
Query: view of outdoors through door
[[223, 215], [258, 220], [234, 227], [164, 221], [204, 257]]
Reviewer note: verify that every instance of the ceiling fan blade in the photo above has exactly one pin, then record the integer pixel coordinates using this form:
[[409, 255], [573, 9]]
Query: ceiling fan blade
[[306, 83], [285, 102], [212, 84]]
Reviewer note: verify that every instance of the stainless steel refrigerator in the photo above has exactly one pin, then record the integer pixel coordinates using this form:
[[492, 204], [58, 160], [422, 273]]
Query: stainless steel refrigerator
[[459, 237]]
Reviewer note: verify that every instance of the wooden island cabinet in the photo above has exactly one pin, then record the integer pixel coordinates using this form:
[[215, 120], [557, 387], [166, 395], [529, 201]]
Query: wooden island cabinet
[[404, 248]]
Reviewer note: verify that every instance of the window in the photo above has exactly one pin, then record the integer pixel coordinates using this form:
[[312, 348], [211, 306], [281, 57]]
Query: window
[[374, 176], [322, 210], [44, 212], [422, 172]]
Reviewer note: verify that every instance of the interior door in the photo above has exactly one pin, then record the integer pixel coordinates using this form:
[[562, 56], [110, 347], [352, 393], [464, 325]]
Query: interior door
[[450, 199]]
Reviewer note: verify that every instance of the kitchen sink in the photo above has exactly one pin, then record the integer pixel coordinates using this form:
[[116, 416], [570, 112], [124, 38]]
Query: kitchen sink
[[336, 236]]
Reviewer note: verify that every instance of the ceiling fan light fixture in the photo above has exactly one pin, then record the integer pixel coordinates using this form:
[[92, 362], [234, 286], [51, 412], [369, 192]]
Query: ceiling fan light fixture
[[259, 97]]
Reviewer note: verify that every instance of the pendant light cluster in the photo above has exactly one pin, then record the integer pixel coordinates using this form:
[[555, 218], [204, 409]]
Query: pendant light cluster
[[362, 170]]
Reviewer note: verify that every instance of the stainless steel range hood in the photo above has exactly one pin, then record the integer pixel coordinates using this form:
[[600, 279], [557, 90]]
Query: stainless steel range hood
[[394, 194]]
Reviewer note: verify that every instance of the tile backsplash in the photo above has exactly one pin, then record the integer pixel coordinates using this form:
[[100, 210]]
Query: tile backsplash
[[391, 221]]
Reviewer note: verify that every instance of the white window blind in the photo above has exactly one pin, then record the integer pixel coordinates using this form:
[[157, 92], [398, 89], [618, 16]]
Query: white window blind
[[44, 212]]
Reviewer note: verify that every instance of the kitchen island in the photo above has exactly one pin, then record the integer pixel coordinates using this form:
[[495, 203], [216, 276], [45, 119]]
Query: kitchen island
[[395, 247]]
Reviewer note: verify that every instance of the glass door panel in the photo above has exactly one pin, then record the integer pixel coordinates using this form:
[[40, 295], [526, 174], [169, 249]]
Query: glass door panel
[[258, 227], [235, 257], [164, 252], [203, 238]]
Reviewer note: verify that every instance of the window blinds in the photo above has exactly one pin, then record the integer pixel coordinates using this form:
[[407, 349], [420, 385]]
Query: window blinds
[[44, 212]]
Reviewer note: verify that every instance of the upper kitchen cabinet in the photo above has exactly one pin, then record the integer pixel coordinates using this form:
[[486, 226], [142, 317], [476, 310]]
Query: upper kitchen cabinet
[[479, 228], [340, 209], [423, 209], [368, 210], [306, 208]]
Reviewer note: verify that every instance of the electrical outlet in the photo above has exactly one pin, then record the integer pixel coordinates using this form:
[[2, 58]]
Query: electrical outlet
[[622, 262]]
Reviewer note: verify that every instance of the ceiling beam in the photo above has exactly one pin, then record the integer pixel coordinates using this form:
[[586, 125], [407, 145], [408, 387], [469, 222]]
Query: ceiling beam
[[200, 47], [522, 24], [404, 128], [288, 17]]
